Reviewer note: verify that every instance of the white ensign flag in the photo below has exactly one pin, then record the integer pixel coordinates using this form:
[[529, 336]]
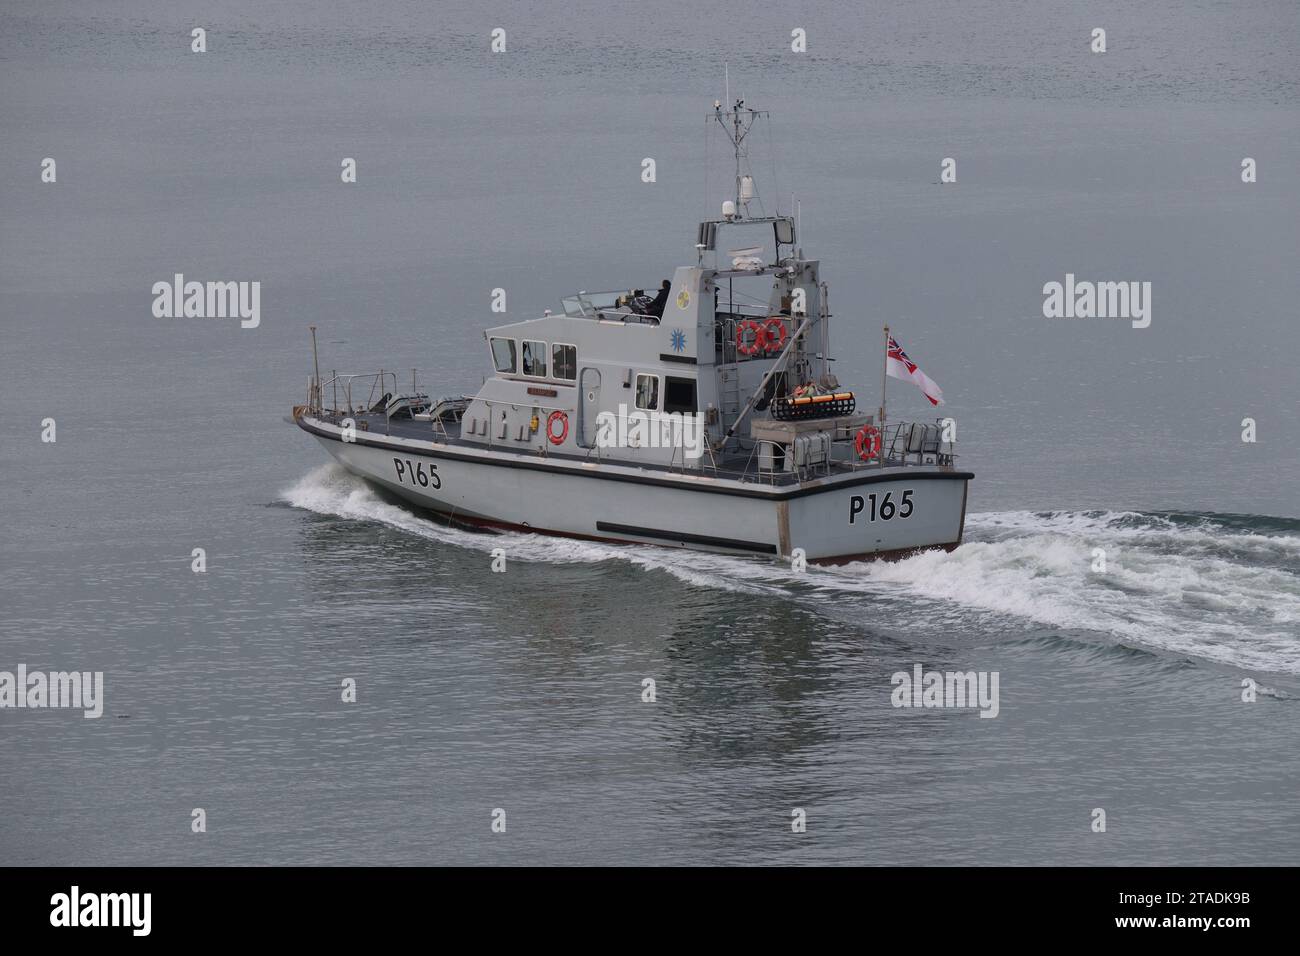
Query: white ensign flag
[[898, 365]]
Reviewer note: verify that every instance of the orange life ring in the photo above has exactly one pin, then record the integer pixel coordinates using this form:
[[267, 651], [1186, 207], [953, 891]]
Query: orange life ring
[[564, 432], [867, 442], [774, 334], [759, 337]]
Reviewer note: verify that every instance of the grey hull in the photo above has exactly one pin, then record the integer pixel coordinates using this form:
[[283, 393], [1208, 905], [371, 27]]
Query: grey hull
[[874, 514]]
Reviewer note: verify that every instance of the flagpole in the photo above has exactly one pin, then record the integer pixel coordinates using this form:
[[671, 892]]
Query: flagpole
[[883, 379]]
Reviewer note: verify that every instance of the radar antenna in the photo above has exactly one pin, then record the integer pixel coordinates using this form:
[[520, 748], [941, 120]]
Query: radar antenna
[[736, 123]]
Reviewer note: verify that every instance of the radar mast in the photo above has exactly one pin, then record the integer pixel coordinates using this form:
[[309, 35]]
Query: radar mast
[[736, 123]]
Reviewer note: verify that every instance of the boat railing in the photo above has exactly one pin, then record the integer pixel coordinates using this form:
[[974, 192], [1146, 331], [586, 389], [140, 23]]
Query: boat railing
[[350, 393], [591, 304], [681, 466], [725, 325], [771, 461], [911, 443], [626, 315], [902, 443]]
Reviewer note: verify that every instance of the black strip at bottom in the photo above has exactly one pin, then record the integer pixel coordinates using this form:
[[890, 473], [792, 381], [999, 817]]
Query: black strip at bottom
[[756, 546]]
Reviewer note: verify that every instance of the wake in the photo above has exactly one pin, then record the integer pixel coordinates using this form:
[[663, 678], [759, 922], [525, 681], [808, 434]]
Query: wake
[[1220, 588]]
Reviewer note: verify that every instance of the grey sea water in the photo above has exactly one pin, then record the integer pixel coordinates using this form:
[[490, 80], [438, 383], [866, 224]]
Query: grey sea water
[[522, 690]]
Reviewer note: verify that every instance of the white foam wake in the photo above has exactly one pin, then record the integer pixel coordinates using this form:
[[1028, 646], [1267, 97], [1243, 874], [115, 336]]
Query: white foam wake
[[1219, 595], [331, 490], [1184, 588]]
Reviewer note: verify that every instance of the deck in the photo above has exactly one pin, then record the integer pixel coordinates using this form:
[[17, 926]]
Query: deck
[[744, 463]]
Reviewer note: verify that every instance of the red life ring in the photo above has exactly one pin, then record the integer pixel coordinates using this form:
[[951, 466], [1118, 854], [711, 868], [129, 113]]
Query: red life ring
[[564, 432], [774, 334], [759, 337], [867, 443]]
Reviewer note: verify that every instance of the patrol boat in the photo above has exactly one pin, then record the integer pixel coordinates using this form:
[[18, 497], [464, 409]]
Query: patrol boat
[[706, 417]]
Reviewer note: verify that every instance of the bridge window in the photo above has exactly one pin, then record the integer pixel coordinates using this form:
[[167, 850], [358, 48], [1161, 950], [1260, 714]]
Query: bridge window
[[647, 392], [503, 355], [534, 359], [564, 361], [679, 395]]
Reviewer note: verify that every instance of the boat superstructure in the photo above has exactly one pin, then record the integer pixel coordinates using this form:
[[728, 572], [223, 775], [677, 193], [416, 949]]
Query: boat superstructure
[[705, 417]]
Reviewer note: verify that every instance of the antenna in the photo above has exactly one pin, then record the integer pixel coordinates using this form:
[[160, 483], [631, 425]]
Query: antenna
[[737, 123]]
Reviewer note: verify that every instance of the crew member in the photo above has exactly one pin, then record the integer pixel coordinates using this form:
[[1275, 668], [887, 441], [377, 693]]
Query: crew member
[[656, 306]]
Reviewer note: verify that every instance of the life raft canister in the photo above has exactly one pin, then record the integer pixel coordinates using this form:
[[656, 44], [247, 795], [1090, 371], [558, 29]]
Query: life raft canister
[[749, 348], [867, 442], [774, 333], [551, 419]]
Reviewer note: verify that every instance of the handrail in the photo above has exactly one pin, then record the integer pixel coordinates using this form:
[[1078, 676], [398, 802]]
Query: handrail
[[727, 323], [617, 315], [893, 453], [378, 388]]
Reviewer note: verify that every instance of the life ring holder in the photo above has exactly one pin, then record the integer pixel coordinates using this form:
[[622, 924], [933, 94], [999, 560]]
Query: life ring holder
[[564, 430], [759, 337], [774, 334], [867, 442]]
